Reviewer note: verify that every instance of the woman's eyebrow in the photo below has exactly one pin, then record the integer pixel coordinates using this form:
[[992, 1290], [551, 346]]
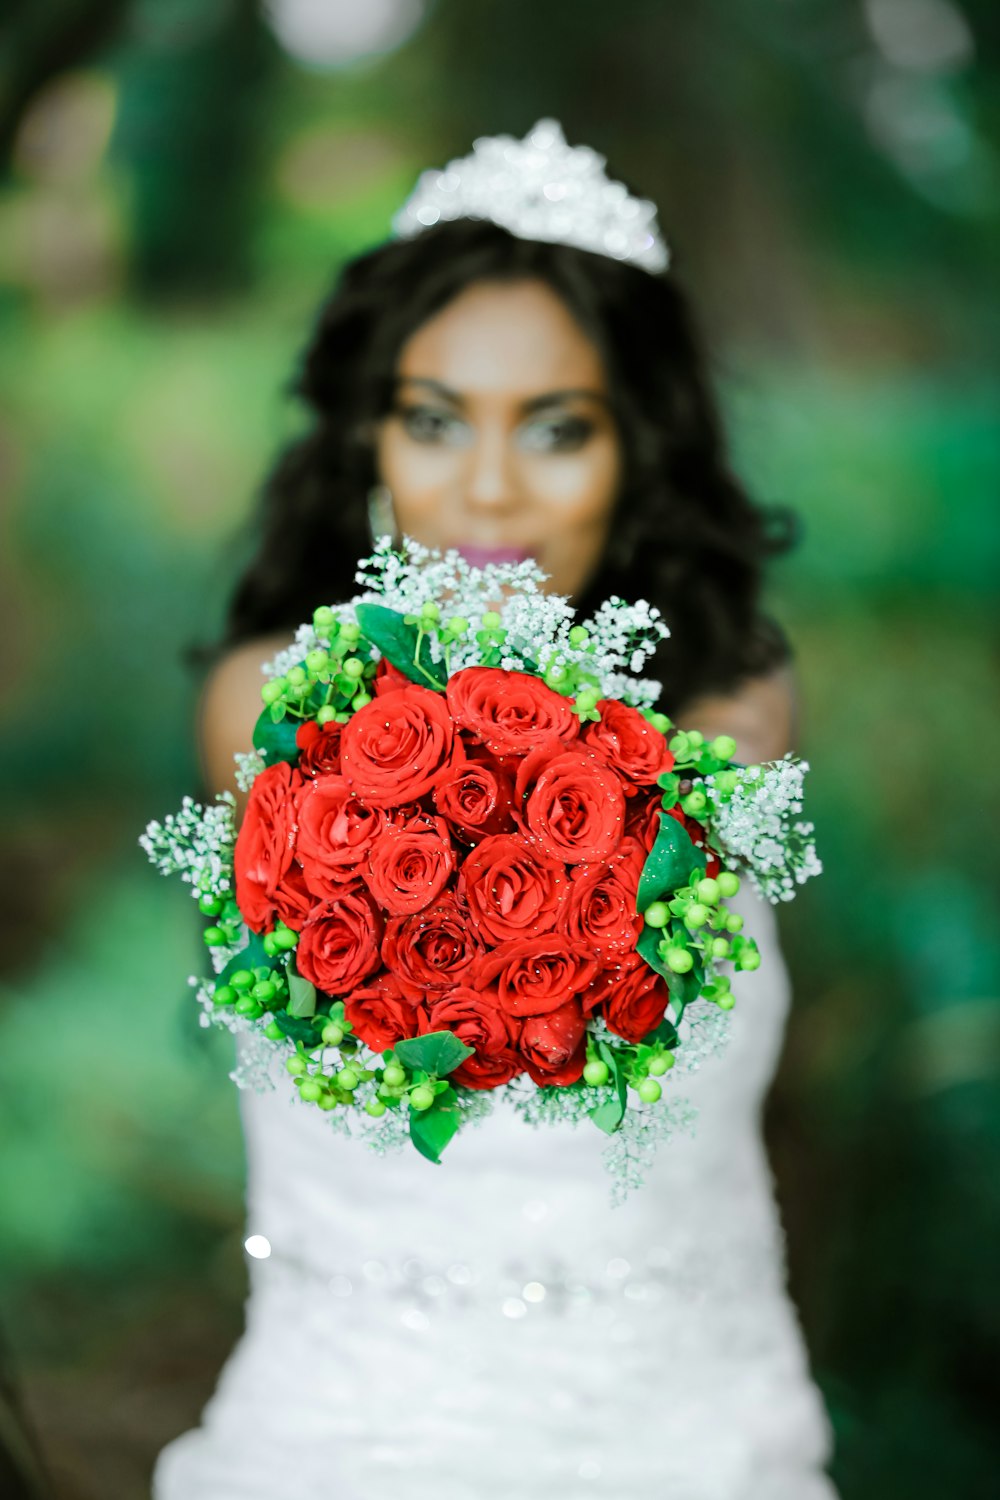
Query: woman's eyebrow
[[443, 391], [559, 398]]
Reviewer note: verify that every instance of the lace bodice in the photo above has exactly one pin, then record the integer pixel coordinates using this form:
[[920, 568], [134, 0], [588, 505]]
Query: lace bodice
[[492, 1327]]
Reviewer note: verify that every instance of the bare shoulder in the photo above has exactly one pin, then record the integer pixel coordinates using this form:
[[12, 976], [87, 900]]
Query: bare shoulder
[[760, 714], [229, 706]]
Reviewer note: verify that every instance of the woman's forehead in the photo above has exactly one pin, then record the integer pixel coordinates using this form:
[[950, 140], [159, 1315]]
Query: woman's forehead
[[512, 339]]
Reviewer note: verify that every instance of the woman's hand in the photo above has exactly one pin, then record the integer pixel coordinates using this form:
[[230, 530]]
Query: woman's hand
[[760, 715]]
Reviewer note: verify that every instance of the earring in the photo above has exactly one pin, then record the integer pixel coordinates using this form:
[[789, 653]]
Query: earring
[[381, 516]]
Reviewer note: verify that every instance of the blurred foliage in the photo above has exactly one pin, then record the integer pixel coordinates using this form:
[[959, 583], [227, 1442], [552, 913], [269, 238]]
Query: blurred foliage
[[178, 195]]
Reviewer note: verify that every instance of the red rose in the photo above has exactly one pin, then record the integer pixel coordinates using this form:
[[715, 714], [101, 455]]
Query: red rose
[[338, 946], [601, 913], [573, 804], [696, 833], [554, 1046], [389, 679], [477, 1021], [264, 845], [409, 865], [629, 743], [381, 1015], [511, 712], [636, 1001], [536, 975], [642, 818], [335, 834], [431, 951], [293, 900], [319, 747], [476, 798], [510, 888], [399, 746]]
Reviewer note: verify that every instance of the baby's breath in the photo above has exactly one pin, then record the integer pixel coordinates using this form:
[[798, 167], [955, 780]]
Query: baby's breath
[[196, 843], [757, 825]]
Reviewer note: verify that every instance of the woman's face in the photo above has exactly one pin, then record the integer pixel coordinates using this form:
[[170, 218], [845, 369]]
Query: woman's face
[[501, 440]]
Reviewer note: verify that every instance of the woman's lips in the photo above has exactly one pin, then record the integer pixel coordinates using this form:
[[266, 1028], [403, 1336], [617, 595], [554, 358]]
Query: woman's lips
[[481, 557]]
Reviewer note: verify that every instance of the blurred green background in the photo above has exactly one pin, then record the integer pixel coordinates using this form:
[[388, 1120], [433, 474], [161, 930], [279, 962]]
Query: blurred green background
[[181, 180]]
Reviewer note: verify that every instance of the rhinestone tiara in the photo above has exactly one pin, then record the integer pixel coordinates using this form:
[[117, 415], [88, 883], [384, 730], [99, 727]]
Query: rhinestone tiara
[[539, 189]]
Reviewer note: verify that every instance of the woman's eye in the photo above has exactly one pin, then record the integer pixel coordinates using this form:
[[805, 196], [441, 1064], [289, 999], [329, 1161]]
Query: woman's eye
[[429, 424], [556, 434]]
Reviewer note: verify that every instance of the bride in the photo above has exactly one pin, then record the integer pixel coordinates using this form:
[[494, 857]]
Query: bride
[[515, 375]]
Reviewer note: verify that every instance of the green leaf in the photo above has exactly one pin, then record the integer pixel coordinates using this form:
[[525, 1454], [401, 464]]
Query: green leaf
[[432, 1129], [301, 995], [276, 741], [609, 1115], [670, 783], [665, 1032], [668, 864], [298, 1029], [648, 948], [684, 988], [397, 641], [250, 957], [437, 1052]]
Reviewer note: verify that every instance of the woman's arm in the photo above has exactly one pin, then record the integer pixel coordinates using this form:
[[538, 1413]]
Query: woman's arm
[[228, 708], [761, 716]]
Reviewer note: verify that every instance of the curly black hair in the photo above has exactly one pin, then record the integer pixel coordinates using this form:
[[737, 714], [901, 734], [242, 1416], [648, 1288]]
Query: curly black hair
[[686, 536]]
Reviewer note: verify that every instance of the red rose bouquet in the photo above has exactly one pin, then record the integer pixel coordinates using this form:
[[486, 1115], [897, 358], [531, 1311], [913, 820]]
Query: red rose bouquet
[[475, 858]]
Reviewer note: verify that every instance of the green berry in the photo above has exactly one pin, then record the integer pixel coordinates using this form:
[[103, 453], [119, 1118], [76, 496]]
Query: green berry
[[696, 915], [394, 1075], [661, 1063], [430, 611], [695, 738], [578, 636], [694, 803], [458, 624], [556, 676], [225, 995], [726, 782], [354, 668], [270, 945], [323, 618], [241, 980], [680, 745], [285, 938], [209, 906], [723, 747], [649, 1091], [661, 723], [311, 1090], [720, 948], [318, 660], [679, 960], [421, 1097], [491, 620], [247, 1006], [348, 1079], [296, 1066], [374, 1107], [586, 699], [214, 937], [657, 914], [326, 1101], [728, 883], [749, 960], [734, 922], [360, 700], [273, 690], [596, 1072], [264, 991], [325, 714], [332, 1034], [726, 1000], [350, 632], [273, 1031], [708, 891], [296, 676]]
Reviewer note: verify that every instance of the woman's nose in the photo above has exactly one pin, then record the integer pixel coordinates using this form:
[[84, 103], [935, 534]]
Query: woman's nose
[[491, 480]]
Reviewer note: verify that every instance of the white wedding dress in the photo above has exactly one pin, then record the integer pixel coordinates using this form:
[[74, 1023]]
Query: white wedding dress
[[492, 1329]]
